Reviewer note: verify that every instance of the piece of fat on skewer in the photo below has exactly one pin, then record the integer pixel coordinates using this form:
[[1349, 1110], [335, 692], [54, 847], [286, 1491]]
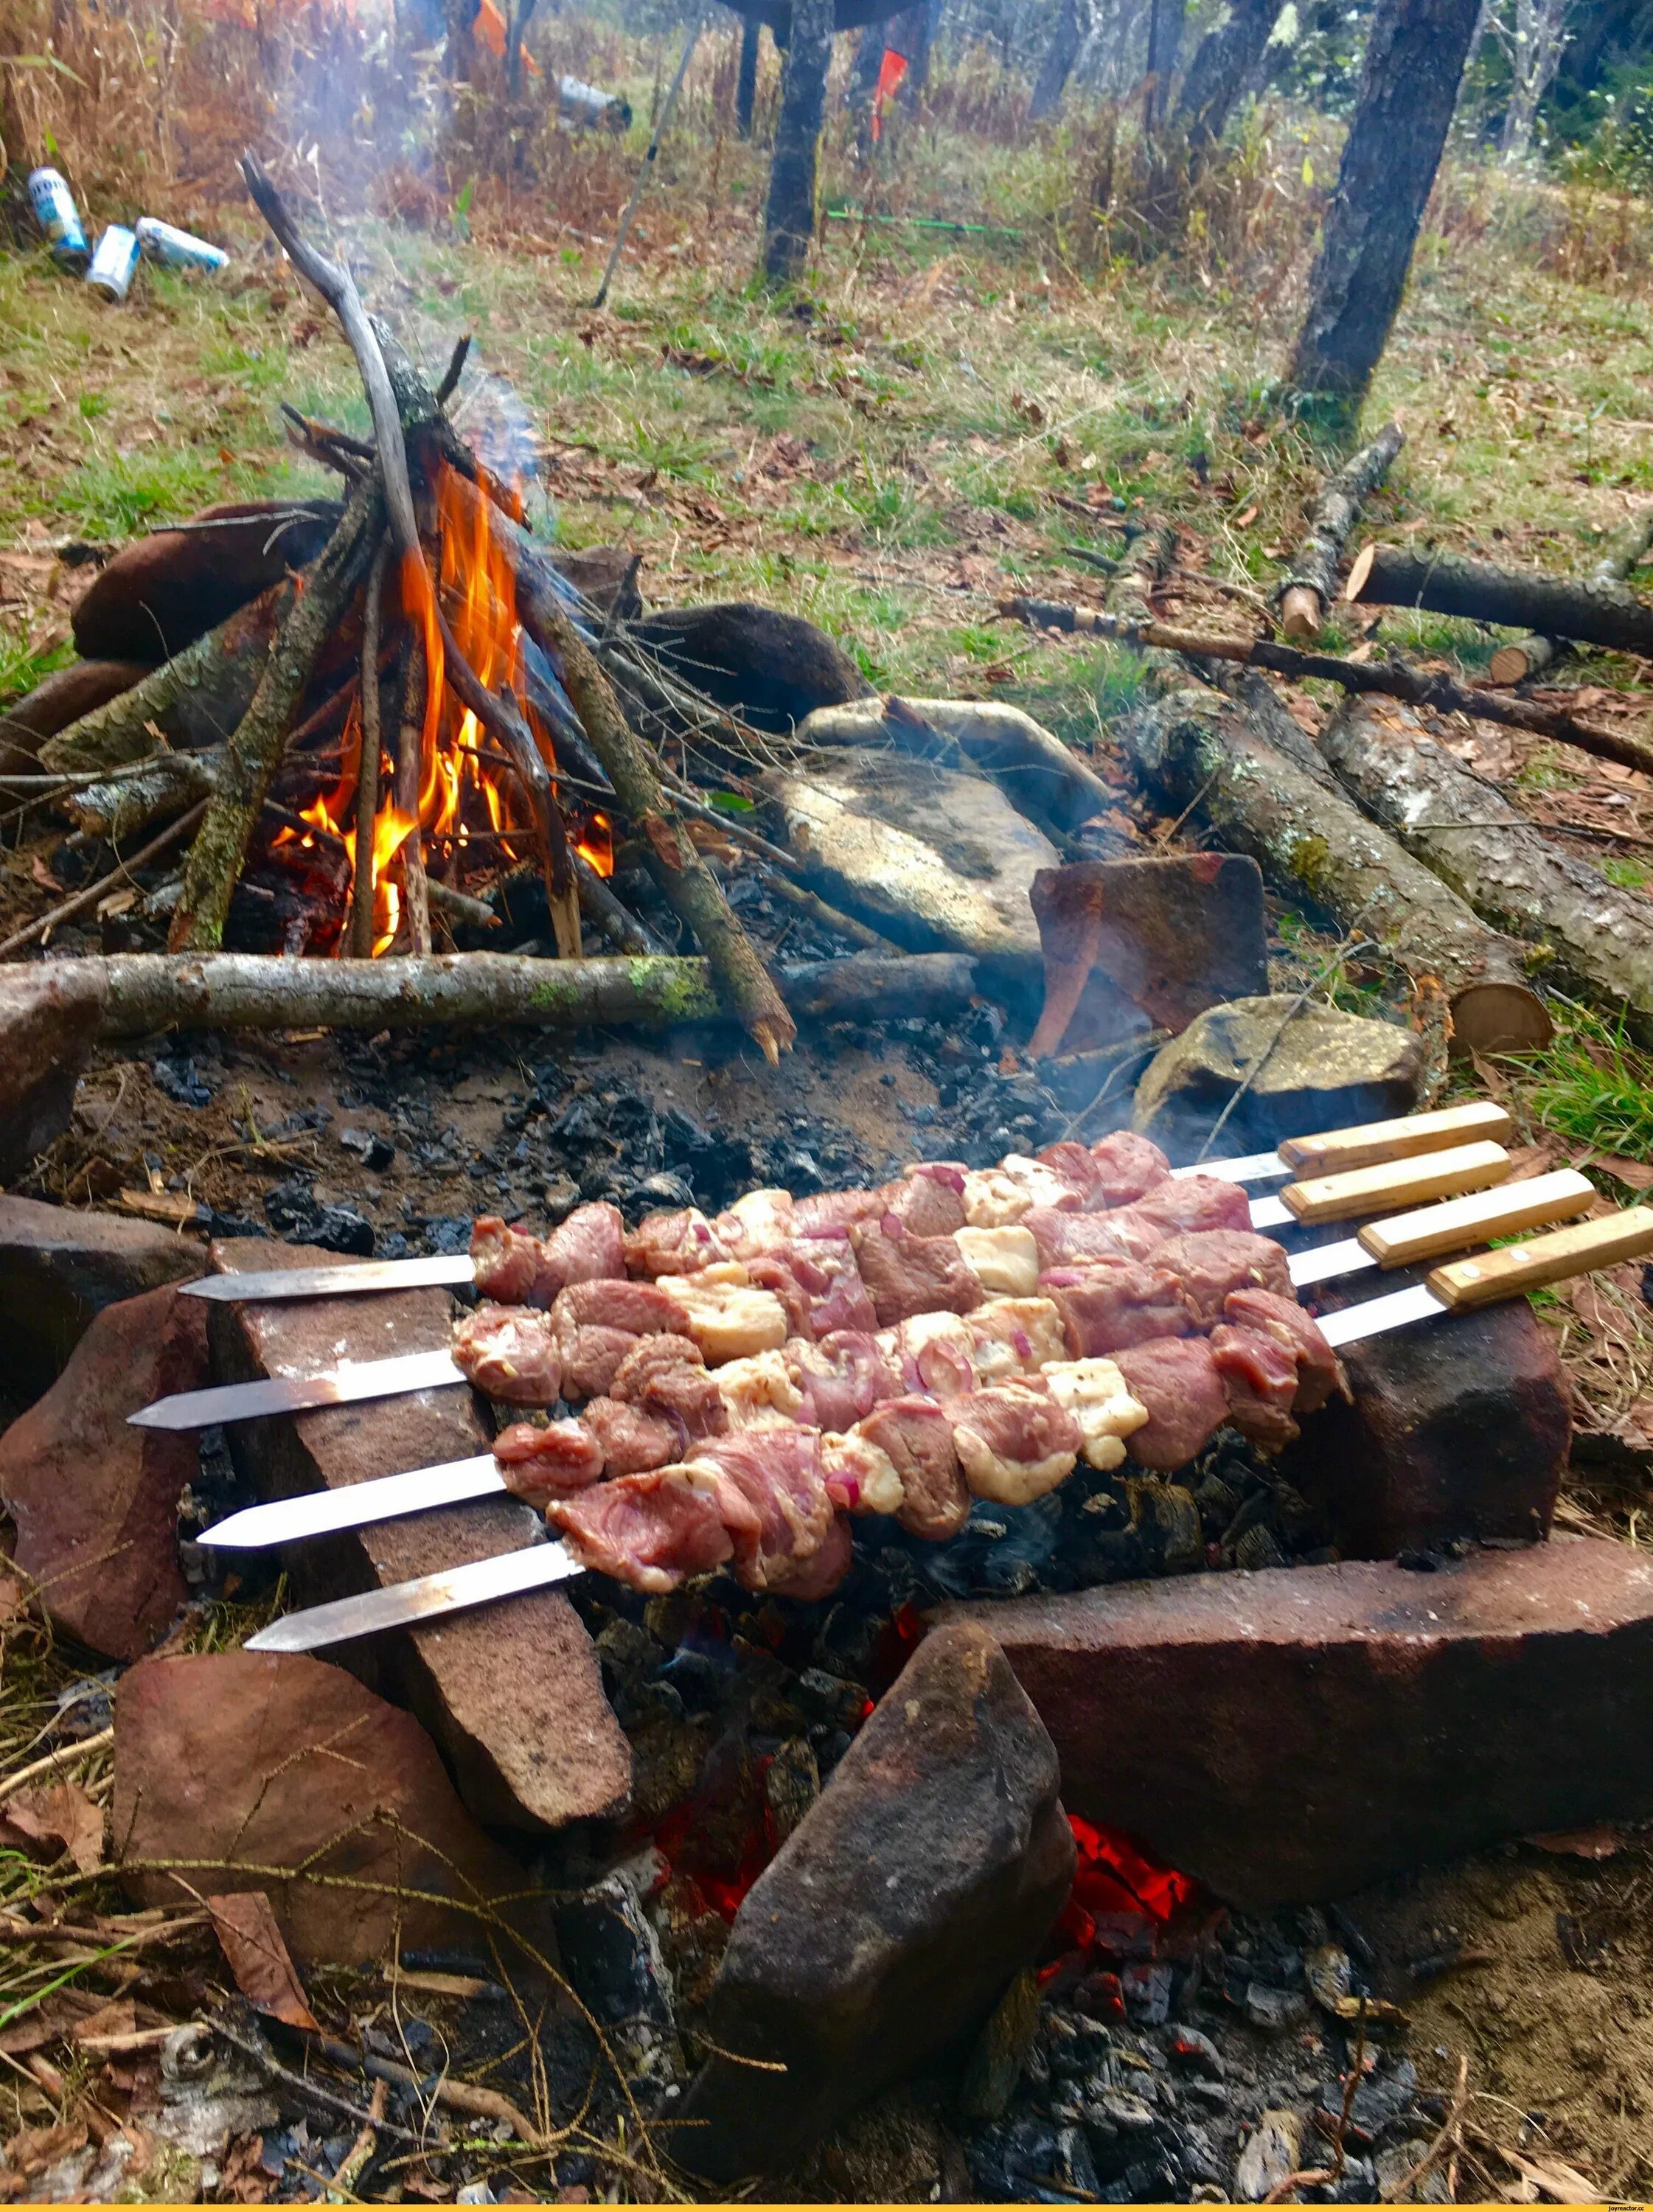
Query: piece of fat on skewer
[[1405, 1240], [1337, 1151], [1461, 1286]]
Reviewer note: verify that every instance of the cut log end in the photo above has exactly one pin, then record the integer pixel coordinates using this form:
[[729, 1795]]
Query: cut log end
[[1514, 664], [1359, 572], [1302, 614], [1495, 1017]]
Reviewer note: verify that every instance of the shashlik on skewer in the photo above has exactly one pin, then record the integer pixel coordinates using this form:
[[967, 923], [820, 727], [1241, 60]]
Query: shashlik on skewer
[[661, 1396], [942, 1235], [673, 1521], [510, 1273]]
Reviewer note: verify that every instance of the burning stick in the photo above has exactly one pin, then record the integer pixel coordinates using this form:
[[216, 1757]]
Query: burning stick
[[367, 790]]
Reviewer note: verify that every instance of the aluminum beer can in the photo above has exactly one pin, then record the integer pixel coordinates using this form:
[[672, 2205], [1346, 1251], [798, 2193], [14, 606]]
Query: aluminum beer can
[[57, 216], [177, 249], [113, 263]]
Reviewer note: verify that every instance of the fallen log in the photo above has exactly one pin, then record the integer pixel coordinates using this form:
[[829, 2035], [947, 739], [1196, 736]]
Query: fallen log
[[1261, 787], [1432, 689], [1528, 656], [1588, 610], [1311, 585], [149, 992], [1598, 937]]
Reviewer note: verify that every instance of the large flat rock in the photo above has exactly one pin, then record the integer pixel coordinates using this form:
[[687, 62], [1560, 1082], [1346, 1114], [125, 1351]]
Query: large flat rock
[[50, 1012], [60, 1266], [1290, 1736], [245, 1767], [513, 1691], [887, 1926], [940, 859], [95, 1500]]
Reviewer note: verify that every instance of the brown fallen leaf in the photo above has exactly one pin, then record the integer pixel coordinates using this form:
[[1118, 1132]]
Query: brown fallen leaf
[[32, 2149], [245, 1924], [1561, 2183], [117, 2017], [1635, 1175], [64, 1816], [1602, 1842]]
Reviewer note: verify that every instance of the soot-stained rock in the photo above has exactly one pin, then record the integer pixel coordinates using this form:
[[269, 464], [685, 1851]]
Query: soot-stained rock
[[95, 1501], [771, 667], [1311, 1068], [511, 1693], [1460, 1429], [252, 1761], [49, 1018], [162, 592], [890, 1922], [1290, 1735], [60, 1266]]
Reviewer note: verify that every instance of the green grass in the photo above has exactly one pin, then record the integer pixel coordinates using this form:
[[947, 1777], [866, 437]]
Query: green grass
[[1592, 1085]]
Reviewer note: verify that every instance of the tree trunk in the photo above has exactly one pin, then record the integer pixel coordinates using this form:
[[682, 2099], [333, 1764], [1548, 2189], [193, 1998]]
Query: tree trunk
[[1594, 610], [152, 991], [1540, 37], [1262, 789], [864, 83], [1059, 59], [1415, 53], [459, 54], [1463, 828], [789, 215], [911, 34], [1165, 19], [1625, 552], [1312, 585], [1225, 62], [751, 33]]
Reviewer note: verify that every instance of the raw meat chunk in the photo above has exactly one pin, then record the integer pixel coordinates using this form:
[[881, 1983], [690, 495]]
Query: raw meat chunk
[[929, 1200], [817, 1280], [1182, 1203], [632, 1439], [1006, 1261], [591, 1357], [1066, 1240], [650, 1531], [860, 1478], [999, 1198], [759, 1393], [1177, 1379], [511, 1352], [1073, 1165], [638, 1308], [1015, 1441], [727, 1320], [1094, 1392], [776, 1509], [1104, 1308], [1261, 1378], [906, 1275], [505, 1262], [916, 1435], [1128, 1168], [666, 1375], [553, 1462], [808, 1580], [679, 1243], [1209, 1263], [842, 1377], [1320, 1371], [1014, 1336], [830, 1210], [756, 1223]]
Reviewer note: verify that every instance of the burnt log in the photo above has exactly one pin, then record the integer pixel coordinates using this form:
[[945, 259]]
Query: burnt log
[[789, 211], [169, 588], [1311, 585], [1599, 938], [1261, 787], [1414, 58], [1529, 656], [769, 668], [1594, 610]]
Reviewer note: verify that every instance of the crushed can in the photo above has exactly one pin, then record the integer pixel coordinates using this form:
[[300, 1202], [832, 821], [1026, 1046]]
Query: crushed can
[[177, 249], [57, 216], [114, 262]]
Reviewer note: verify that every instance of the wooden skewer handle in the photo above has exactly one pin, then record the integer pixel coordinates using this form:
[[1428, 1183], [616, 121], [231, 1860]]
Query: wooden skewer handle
[[1396, 1184], [1507, 1211], [1576, 1251], [1402, 1139]]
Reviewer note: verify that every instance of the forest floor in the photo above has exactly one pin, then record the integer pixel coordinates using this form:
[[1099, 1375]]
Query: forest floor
[[943, 419]]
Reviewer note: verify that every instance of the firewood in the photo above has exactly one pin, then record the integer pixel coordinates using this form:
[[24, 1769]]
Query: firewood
[[255, 748], [1528, 656], [166, 784], [154, 991], [360, 930], [1310, 585], [1598, 937], [1262, 789], [410, 760], [1588, 610]]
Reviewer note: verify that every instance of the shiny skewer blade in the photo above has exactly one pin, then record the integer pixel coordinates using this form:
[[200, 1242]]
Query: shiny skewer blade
[[1409, 1137], [1486, 1278], [1327, 1198], [1426, 1234]]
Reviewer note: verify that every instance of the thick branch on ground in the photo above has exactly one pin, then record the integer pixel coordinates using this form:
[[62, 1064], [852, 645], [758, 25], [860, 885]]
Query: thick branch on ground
[[255, 752], [151, 991], [196, 697], [1144, 562], [1528, 656], [689, 885], [1586, 610], [1310, 587], [1389, 678], [166, 785], [1466, 832], [1259, 785]]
